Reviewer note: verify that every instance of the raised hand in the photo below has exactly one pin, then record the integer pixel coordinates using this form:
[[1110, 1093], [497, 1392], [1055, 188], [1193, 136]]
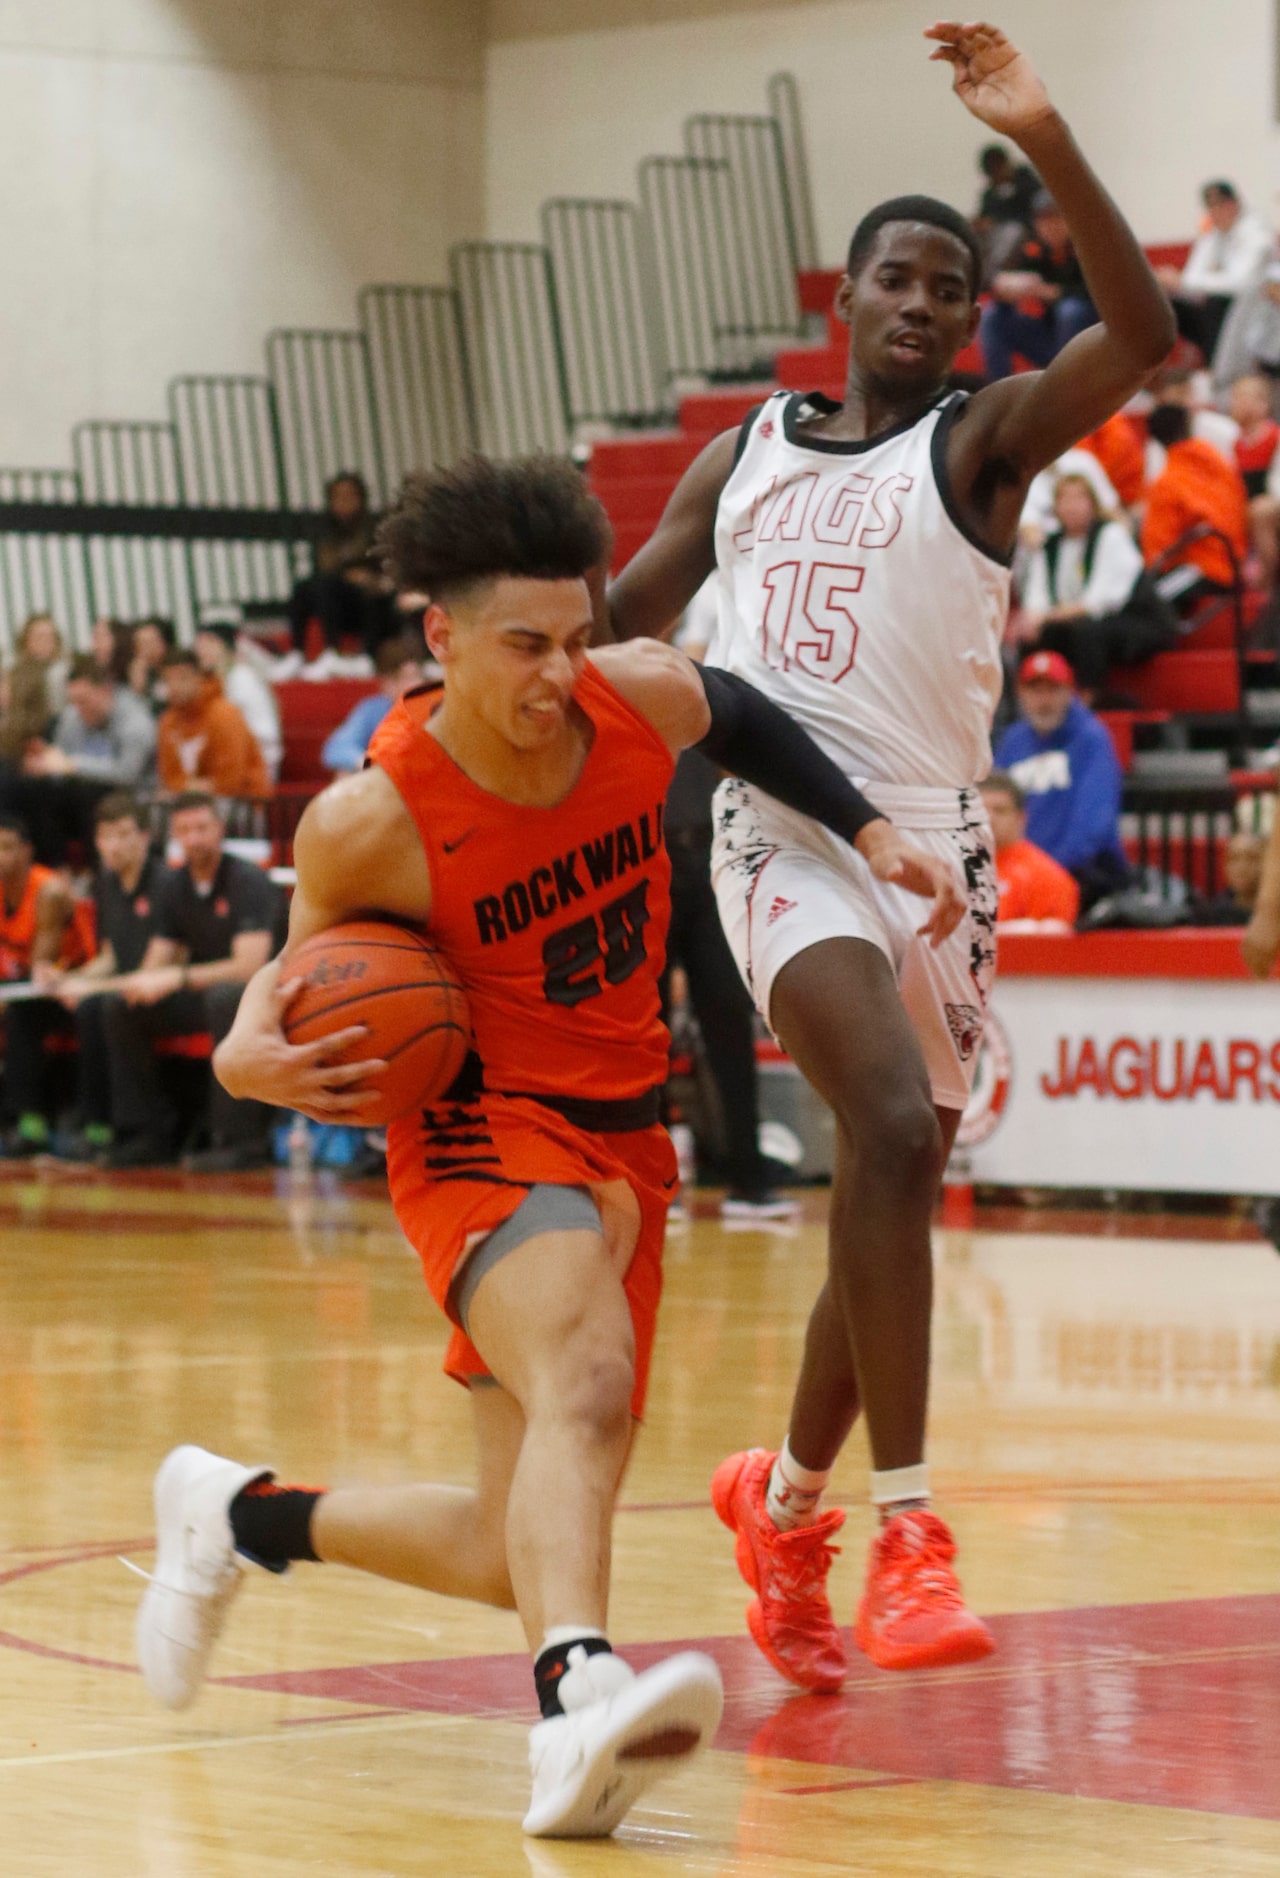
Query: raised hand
[[990, 76]]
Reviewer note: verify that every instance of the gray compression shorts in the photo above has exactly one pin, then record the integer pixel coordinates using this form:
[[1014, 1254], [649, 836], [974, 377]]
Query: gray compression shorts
[[545, 1208]]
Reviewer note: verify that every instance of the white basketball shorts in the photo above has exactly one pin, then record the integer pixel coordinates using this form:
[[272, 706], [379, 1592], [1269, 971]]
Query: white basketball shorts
[[784, 883]]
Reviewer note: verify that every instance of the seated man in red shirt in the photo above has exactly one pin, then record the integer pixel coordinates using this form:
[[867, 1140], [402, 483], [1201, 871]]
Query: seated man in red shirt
[[1033, 889], [1197, 486]]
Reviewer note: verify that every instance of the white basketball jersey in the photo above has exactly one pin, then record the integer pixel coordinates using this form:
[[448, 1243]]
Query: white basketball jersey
[[851, 593]]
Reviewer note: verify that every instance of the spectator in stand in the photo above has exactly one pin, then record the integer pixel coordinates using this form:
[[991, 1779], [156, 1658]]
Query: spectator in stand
[[24, 712], [128, 888], [1259, 438], [1118, 447], [218, 657], [1175, 384], [204, 743], [1261, 943], [1034, 890], [153, 641], [399, 666], [111, 649], [104, 739], [1227, 259], [1062, 758], [39, 653], [35, 924], [1040, 300], [1039, 515], [219, 920], [1198, 488], [348, 593], [1242, 879], [35, 905], [1003, 219], [1085, 595], [1258, 460]]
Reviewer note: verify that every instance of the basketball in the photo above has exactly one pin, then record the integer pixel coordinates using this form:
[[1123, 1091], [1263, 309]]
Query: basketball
[[391, 979]]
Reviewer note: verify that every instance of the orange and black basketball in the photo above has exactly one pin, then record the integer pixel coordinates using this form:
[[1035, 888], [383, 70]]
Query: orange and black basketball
[[391, 979]]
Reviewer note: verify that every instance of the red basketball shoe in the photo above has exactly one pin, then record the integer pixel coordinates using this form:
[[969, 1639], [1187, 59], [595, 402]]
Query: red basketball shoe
[[913, 1615], [790, 1617]]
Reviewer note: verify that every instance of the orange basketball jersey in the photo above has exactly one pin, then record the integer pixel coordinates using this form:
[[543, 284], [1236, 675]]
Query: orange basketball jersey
[[555, 919], [18, 929]]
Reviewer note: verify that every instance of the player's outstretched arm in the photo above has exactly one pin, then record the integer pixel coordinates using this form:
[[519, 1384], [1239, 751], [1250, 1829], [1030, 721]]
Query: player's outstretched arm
[[356, 853], [653, 589], [1029, 420], [751, 737]]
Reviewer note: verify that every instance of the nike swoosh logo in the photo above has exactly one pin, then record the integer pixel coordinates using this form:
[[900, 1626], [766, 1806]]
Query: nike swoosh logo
[[450, 846]]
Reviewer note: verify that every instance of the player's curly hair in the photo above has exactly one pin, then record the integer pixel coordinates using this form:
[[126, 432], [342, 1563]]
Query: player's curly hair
[[451, 529], [925, 209]]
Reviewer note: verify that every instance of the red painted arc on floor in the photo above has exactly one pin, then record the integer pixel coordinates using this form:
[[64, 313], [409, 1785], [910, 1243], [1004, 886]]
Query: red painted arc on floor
[[1174, 1704], [1151, 1704]]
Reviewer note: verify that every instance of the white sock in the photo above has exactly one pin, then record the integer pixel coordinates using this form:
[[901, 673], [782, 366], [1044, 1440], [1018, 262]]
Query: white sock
[[794, 1491], [900, 1487]]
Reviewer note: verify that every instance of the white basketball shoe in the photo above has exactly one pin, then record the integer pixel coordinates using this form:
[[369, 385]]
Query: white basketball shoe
[[197, 1571], [620, 1732]]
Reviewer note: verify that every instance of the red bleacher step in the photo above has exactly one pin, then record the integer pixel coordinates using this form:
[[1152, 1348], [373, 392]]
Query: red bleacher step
[[1182, 682]]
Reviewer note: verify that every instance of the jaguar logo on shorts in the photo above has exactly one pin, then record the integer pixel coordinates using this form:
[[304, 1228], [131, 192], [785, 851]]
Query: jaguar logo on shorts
[[965, 1022], [778, 908]]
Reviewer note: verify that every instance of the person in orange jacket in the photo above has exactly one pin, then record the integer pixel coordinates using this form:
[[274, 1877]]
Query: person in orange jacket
[[1033, 888], [1197, 485], [1118, 448], [203, 742]]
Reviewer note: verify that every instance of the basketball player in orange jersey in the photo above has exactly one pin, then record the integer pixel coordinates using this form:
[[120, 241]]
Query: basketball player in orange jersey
[[863, 552], [518, 815]]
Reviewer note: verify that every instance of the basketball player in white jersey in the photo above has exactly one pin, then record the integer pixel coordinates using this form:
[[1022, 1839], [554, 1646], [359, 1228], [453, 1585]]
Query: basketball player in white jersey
[[863, 557]]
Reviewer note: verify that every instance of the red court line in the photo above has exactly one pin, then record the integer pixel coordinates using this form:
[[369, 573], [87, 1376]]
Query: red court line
[[1174, 1704]]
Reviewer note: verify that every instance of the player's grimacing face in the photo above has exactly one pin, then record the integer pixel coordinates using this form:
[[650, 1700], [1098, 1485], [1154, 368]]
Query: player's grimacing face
[[910, 307], [515, 653]]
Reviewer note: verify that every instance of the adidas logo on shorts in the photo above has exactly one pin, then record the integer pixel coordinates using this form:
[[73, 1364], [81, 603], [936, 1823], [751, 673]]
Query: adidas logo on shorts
[[778, 908]]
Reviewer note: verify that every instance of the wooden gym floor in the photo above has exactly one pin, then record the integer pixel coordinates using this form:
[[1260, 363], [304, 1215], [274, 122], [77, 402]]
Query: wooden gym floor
[[1106, 1425]]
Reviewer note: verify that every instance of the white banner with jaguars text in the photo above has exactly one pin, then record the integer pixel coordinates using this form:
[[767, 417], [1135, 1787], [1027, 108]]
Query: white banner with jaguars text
[[1135, 1083]]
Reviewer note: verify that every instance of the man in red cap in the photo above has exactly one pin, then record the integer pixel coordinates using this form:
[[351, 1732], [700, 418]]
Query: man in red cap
[[1062, 758]]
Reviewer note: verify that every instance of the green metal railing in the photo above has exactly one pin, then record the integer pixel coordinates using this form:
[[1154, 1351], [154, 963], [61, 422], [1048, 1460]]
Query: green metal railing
[[528, 341], [42, 570], [324, 397], [759, 258], [421, 385], [610, 315], [511, 332], [784, 106], [230, 457]]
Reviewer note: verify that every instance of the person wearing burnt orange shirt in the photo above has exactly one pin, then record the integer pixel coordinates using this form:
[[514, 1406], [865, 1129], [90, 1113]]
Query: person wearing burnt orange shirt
[[202, 741], [1197, 485], [1033, 888], [517, 814]]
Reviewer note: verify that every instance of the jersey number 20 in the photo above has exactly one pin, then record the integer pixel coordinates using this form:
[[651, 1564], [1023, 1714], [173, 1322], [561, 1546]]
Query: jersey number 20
[[807, 622], [605, 949]]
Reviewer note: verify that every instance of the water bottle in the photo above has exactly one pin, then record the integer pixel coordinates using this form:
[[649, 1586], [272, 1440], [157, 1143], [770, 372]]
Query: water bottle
[[300, 1145]]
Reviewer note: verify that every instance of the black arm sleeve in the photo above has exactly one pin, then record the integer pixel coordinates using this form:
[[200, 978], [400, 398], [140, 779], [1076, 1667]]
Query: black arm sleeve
[[752, 738]]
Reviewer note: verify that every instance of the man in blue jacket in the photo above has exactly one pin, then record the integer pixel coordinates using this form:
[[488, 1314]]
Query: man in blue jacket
[[399, 665], [1063, 758]]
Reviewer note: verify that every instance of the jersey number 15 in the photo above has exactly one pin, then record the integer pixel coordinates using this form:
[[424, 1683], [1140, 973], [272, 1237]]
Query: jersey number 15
[[807, 621]]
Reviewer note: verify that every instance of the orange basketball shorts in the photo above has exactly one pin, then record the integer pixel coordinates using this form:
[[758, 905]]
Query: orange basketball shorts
[[457, 1171]]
